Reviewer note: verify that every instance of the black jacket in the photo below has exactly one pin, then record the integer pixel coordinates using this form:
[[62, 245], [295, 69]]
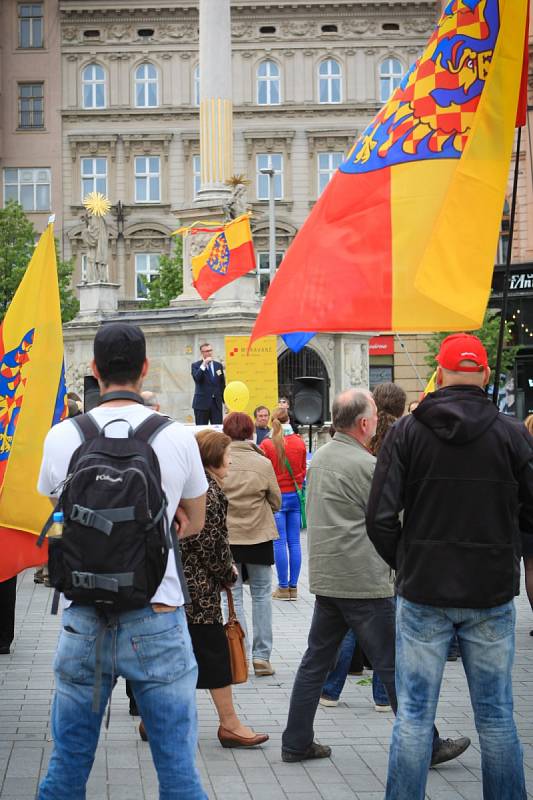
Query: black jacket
[[463, 474]]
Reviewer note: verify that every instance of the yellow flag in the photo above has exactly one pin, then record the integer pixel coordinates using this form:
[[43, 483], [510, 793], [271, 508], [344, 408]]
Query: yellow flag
[[32, 399]]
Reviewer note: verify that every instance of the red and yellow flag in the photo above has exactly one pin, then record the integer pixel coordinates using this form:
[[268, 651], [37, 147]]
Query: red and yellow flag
[[228, 255], [32, 399], [405, 235]]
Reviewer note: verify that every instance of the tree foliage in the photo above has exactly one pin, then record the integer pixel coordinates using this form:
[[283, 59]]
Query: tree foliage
[[169, 283], [488, 333], [17, 243]]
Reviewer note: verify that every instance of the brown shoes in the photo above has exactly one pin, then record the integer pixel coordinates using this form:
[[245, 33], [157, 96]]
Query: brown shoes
[[281, 594], [293, 591], [262, 668], [229, 739], [142, 732]]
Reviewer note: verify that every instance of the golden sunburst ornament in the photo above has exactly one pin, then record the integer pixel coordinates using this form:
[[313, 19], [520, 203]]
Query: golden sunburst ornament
[[97, 204]]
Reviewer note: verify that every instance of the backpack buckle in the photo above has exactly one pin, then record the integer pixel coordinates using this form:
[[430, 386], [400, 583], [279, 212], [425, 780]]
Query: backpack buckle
[[82, 515], [83, 580]]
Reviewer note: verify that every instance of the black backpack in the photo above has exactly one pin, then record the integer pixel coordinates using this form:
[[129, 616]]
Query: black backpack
[[115, 544]]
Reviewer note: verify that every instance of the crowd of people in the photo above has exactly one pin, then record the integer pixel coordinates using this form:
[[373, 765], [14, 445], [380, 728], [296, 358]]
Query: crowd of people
[[416, 522]]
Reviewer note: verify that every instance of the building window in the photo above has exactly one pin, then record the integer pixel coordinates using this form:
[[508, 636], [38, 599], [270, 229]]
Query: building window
[[29, 187], [93, 176], [146, 86], [263, 270], [146, 269], [329, 81], [268, 84], [196, 86], [30, 25], [503, 241], [31, 105], [147, 179], [390, 77], [269, 161], [93, 86], [327, 165], [196, 175]]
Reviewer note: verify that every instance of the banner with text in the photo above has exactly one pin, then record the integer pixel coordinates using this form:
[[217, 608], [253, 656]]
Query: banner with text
[[258, 369]]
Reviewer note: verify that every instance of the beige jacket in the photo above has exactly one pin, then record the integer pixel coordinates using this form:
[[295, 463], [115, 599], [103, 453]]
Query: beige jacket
[[253, 495]]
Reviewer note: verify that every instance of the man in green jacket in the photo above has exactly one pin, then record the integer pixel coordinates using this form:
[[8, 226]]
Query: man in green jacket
[[353, 585]]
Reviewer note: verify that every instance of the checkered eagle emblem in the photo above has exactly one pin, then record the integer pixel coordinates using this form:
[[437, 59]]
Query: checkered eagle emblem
[[431, 113], [218, 260], [12, 385]]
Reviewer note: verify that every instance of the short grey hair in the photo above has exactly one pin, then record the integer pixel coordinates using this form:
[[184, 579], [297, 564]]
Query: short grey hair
[[349, 406]]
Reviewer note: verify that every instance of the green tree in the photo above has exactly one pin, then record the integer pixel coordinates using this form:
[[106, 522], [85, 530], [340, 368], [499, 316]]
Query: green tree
[[488, 333], [17, 243], [169, 283]]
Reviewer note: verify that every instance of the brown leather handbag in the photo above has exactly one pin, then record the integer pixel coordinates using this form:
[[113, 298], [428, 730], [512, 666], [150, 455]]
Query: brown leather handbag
[[236, 646]]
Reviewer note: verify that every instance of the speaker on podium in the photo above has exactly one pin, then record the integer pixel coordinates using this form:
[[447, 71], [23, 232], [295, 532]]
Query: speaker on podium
[[309, 400]]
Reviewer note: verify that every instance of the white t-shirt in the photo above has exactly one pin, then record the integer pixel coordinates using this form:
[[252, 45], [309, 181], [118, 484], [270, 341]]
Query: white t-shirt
[[182, 472]]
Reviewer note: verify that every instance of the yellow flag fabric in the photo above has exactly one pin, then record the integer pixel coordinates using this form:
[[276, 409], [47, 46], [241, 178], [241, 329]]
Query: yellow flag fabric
[[31, 390]]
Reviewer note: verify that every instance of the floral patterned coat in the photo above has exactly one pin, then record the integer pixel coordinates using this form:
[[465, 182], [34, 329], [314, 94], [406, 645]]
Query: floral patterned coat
[[207, 560]]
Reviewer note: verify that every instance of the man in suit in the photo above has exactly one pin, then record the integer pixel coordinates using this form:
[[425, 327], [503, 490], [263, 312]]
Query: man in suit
[[208, 376]]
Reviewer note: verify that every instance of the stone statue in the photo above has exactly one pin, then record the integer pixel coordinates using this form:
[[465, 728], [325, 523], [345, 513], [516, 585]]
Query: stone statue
[[96, 238], [237, 204]]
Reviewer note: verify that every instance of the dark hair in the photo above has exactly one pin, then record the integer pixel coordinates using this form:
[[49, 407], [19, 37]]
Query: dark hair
[[260, 408], [205, 344], [390, 398], [390, 402], [212, 446], [238, 426], [119, 353], [73, 396]]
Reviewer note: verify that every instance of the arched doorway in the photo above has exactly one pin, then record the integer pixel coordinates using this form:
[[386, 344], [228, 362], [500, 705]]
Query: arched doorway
[[296, 365]]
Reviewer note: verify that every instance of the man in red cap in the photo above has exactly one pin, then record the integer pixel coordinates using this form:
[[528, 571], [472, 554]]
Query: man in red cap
[[463, 475]]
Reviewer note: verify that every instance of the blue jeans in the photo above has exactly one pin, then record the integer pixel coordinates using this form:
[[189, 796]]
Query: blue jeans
[[486, 639], [288, 522], [260, 582], [153, 651], [337, 677]]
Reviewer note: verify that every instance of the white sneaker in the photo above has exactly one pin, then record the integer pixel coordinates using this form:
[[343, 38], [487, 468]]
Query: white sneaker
[[382, 708], [328, 701]]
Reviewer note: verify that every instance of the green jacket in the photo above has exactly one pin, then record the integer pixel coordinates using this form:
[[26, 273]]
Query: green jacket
[[342, 560]]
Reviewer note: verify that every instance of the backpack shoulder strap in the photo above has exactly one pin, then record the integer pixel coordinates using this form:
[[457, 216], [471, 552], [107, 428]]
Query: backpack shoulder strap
[[150, 427], [87, 426]]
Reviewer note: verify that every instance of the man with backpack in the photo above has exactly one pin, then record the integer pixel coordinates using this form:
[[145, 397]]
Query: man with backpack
[[120, 475]]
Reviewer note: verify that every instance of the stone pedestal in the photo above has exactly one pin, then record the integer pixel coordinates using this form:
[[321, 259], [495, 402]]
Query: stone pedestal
[[98, 299]]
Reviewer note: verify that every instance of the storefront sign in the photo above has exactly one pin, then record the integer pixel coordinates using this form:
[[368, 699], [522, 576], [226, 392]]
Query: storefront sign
[[381, 346]]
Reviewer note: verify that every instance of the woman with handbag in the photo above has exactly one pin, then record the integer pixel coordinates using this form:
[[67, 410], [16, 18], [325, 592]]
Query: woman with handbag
[[253, 495], [208, 566], [288, 454]]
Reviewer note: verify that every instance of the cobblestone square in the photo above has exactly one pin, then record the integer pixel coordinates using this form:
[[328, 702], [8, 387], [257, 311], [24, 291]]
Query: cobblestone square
[[123, 769]]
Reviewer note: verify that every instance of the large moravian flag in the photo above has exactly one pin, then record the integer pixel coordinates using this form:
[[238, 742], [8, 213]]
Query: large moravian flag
[[404, 236], [32, 399]]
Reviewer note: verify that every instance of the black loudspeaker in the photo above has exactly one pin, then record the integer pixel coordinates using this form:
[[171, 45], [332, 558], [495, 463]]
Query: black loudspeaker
[[91, 393], [309, 395]]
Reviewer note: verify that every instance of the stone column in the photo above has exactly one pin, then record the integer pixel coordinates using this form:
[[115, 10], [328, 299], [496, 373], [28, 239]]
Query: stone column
[[216, 106]]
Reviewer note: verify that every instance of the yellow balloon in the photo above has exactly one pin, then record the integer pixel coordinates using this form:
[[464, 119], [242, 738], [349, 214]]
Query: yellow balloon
[[236, 396]]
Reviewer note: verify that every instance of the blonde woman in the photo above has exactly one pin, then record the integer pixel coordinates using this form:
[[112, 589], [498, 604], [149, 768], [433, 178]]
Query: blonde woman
[[287, 452]]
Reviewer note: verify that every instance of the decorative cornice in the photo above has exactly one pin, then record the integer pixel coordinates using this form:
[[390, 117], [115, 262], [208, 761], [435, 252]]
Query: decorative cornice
[[143, 143], [92, 145], [269, 140]]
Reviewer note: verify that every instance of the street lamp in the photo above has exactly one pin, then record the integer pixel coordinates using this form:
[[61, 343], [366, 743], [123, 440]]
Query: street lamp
[[271, 222]]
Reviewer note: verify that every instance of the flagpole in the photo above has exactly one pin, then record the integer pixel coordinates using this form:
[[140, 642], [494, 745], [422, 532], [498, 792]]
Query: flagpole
[[508, 257], [412, 363]]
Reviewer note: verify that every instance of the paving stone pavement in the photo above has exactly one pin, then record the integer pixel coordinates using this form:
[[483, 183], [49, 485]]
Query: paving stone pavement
[[359, 736]]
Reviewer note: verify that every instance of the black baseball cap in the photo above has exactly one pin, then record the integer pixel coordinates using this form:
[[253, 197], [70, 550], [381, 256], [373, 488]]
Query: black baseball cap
[[119, 347]]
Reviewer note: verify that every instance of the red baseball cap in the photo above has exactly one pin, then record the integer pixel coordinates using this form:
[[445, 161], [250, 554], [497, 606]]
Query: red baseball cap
[[462, 347]]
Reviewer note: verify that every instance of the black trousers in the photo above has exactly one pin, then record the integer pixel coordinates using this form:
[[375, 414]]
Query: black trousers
[[212, 416], [8, 595], [373, 623]]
